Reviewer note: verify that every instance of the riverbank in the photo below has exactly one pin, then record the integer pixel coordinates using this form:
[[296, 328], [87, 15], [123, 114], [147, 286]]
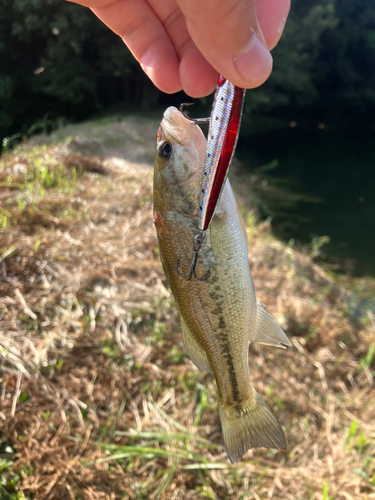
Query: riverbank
[[98, 399]]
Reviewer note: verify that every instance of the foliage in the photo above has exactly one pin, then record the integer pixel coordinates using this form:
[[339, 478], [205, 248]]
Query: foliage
[[58, 57], [323, 64], [10, 481], [292, 81]]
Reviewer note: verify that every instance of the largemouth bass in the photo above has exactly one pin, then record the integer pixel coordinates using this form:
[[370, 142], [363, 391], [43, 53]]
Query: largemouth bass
[[219, 317]]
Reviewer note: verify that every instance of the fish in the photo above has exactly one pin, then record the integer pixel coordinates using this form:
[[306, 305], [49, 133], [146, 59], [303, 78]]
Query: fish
[[220, 316]]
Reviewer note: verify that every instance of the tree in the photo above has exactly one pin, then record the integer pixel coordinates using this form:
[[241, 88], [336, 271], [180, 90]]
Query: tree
[[324, 64], [58, 57]]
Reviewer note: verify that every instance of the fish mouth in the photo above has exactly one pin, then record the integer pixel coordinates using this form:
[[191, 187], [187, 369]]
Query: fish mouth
[[175, 126]]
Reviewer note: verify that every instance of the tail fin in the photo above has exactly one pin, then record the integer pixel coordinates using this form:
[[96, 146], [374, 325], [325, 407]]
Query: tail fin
[[250, 426]]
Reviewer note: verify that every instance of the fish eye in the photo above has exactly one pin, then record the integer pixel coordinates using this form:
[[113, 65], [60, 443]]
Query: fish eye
[[165, 149]]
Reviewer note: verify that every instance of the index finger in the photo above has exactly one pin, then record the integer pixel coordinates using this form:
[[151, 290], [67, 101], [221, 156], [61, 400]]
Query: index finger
[[141, 30]]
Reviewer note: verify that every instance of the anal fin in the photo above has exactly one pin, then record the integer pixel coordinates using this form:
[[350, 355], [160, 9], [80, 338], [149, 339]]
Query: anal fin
[[267, 331], [194, 351]]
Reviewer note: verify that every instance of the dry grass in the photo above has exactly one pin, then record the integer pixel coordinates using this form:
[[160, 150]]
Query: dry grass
[[98, 399]]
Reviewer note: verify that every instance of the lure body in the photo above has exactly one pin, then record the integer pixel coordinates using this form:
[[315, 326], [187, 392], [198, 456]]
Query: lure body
[[221, 144]]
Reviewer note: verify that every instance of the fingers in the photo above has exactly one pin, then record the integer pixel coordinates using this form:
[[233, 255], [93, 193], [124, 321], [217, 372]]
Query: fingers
[[198, 78], [140, 28], [229, 36], [272, 16], [185, 45], [93, 3], [156, 34]]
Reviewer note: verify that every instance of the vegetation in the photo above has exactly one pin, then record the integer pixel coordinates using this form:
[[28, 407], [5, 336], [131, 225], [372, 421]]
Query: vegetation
[[98, 399], [57, 58], [323, 70]]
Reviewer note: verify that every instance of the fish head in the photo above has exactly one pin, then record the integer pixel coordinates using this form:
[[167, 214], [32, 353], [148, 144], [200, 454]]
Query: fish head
[[180, 150]]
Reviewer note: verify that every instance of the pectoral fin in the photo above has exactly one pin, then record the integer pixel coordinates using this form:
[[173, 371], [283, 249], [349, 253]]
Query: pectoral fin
[[267, 331], [194, 351], [243, 228]]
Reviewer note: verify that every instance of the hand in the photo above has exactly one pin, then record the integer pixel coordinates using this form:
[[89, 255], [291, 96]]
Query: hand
[[183, 44]]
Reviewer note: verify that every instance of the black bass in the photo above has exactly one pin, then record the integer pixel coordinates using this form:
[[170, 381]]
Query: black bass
[[219, 317]]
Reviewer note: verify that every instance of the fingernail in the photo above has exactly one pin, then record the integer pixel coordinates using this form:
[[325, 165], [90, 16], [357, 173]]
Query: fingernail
[[255, 63], [147, 66]]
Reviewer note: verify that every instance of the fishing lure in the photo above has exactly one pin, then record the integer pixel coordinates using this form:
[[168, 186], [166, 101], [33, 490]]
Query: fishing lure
[[222, 140], [225, 121]]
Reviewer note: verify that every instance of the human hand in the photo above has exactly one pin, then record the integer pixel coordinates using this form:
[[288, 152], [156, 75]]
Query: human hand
[[183, 44]]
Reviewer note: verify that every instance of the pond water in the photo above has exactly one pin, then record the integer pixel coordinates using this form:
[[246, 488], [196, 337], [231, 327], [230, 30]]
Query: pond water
[[338, 168]]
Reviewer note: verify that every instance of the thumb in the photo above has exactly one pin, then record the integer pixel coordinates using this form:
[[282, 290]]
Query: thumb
[[228, 35]]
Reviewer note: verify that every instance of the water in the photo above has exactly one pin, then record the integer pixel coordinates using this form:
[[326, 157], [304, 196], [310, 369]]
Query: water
[[336, 167]]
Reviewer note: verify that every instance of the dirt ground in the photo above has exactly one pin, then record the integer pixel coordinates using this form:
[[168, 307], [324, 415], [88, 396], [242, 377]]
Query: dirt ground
[[98, 399]]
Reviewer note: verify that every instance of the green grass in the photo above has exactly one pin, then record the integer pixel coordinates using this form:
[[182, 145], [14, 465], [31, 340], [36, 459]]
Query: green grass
[[182, 449], [140, 421], [10, 481], [41, 191]]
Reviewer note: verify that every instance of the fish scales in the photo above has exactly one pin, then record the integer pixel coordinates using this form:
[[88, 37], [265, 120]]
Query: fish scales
[[218, 316]]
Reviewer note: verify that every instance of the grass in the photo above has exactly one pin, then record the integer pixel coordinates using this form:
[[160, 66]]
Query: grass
[[98, 399], [28, 180], [10, 480]]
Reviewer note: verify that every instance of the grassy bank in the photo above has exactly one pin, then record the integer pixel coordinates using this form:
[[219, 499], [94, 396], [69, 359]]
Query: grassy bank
[[98, 399]]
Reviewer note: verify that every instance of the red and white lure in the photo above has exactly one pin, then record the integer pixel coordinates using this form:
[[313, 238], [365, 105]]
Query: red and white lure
[[225, 121]]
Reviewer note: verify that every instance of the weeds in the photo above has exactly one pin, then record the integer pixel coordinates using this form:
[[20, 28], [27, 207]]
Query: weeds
[[317, 243], [368, 359], [44, 125], [108, 405], [30, 203], [10, 481], [325, 493]]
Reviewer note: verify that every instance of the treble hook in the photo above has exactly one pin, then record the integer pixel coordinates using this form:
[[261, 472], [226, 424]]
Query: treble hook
[[199, 240], [197, 121]]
